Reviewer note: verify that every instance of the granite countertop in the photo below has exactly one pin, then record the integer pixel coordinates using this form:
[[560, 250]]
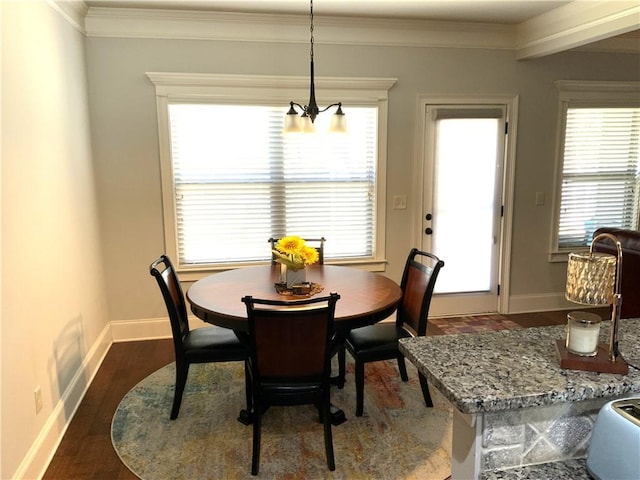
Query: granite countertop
[[511, 369]]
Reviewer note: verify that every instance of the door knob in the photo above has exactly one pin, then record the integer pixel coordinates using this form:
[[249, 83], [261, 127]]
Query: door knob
[[428, 231], [428, 216]]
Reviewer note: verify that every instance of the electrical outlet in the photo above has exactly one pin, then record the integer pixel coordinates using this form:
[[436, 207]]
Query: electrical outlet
[[399, 202], [37, 393]]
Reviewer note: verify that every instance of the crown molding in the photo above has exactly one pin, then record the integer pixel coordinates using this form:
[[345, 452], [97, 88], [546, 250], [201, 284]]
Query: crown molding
[[73, 11], [593, 26], [629, 43], [244, 27], [230, 86], [577, 24]]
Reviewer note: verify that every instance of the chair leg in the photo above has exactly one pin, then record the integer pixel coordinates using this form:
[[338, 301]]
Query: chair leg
[[425, 390], [246, 415], [359, 388], [257, 425], [403, 368], [342, 360], [247, 387], [328, 436], [182, 372]]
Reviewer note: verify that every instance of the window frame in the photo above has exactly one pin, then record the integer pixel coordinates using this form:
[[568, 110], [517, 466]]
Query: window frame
[[258, 89], [582, 94]]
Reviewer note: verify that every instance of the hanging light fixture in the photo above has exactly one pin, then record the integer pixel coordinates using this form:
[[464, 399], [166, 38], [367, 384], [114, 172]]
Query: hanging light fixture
[[305, 121]]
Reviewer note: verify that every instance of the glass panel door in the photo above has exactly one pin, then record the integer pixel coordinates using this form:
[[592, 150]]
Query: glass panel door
[[462, 204]]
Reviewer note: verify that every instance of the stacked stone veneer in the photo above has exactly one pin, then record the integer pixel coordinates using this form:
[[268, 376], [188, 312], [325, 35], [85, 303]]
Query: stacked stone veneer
[[537, 435]]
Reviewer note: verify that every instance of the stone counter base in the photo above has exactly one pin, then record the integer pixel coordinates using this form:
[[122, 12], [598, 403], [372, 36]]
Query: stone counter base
[[496, 441]]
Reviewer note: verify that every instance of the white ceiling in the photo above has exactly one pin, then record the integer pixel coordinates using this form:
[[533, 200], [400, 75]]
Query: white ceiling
[[486, 11]]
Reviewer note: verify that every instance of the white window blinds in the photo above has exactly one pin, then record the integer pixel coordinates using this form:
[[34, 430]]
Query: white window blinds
[[600, 174], [239, 181]]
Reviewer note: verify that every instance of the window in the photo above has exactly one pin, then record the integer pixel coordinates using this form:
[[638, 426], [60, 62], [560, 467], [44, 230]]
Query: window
[[599, 162], [231, 179]]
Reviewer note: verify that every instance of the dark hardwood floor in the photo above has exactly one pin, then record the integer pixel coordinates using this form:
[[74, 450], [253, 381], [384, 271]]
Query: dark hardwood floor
[[86, 451]]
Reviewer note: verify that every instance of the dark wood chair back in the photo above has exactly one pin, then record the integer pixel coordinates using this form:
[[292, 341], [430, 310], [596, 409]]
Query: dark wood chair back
[[200, 345], [418, 281], [290, 364], [163, 271], [380, 341]]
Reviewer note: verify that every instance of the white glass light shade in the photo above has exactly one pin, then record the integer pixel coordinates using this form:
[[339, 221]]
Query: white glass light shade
[[338, 123], [307, 124], [292, 123], [591, 278]]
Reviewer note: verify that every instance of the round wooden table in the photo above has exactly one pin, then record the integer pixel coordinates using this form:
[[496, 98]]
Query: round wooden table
[[365, 297]]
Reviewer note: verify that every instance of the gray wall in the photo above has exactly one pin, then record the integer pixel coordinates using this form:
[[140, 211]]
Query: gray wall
[[126, 146]]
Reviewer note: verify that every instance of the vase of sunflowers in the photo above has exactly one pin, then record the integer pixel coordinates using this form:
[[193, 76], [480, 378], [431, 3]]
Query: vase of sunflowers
[[294, 255]]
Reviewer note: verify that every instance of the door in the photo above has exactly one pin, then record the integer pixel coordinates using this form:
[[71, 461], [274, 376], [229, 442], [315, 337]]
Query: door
[[463, 188]]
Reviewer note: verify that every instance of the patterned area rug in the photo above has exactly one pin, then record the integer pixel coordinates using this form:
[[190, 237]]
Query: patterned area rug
[[397, 438], [475, 324]]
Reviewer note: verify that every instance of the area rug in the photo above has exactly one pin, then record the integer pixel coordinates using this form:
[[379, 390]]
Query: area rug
[[474, 324], [396, 438]]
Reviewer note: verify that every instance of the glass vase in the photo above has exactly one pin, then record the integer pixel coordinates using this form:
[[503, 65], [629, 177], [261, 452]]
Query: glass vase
[[295, 277]]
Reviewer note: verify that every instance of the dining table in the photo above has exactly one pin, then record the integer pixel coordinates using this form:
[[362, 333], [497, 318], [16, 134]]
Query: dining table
[[366, 298]]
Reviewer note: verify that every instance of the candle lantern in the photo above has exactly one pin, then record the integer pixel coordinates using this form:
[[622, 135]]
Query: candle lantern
[[593, 279], [583, 330]]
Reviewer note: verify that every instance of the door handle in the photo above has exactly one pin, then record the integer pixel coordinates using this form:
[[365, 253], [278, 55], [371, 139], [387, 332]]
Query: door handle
[[428, 216], [428, 231]]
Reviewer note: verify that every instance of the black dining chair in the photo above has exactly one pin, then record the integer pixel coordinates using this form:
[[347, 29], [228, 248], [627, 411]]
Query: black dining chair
[[380, 341], [200, 345], [290, 360], [317, 243]]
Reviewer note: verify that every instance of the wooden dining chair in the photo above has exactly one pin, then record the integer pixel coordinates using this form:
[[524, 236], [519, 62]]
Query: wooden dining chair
[[380, 341], [200, 345], [317, 243], [290, 360]]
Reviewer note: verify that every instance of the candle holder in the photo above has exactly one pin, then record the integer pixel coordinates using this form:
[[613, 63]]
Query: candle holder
[[583, 330], [593, 279]]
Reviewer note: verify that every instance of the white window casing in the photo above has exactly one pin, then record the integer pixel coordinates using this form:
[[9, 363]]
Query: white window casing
[[597, 163], [180, 95]]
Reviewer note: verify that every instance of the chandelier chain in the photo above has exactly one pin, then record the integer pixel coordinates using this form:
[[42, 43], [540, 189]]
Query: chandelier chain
[[311, 29]]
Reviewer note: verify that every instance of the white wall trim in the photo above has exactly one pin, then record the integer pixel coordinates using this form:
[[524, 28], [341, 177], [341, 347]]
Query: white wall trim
[[248, 27], [142, 329], [72, 11], [147, 328], [574, 25], [39, 456], [578, 24], [543, 302]]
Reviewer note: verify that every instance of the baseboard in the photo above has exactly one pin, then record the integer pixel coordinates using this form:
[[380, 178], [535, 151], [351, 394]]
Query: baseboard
[[144, 329], [37, 459], [539, 303]]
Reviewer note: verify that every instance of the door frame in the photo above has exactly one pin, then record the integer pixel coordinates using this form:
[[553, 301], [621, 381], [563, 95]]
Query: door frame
[[511, 103]]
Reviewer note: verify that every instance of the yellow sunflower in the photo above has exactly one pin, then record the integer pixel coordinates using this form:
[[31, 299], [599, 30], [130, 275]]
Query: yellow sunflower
[[309, 255], [290, 245]]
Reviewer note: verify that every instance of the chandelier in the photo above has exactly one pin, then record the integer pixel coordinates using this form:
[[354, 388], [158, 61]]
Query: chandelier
[[305, 121]]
